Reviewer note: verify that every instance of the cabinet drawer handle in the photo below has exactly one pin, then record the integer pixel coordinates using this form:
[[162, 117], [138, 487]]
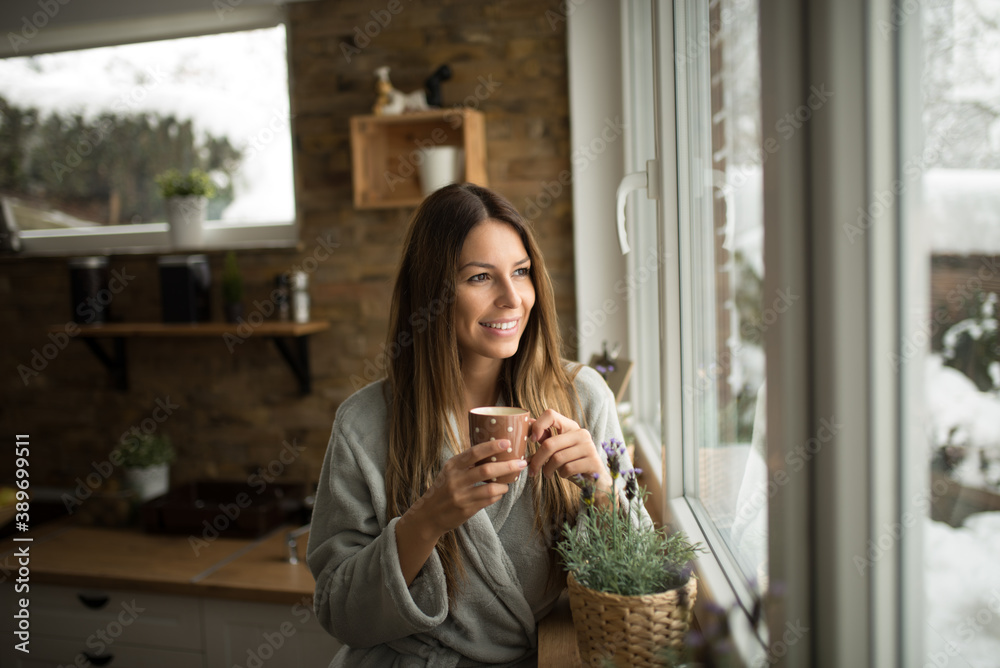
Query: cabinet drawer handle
[[98, 660], [93, 602]]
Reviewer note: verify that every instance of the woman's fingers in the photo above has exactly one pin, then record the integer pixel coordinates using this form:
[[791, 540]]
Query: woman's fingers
[[550, 423]]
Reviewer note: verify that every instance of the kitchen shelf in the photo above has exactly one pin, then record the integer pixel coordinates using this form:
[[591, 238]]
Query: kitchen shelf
[[291, 339], [385, 173]]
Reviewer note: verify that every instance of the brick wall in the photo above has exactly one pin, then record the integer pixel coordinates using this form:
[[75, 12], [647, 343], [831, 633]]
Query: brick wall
[[234, 411]]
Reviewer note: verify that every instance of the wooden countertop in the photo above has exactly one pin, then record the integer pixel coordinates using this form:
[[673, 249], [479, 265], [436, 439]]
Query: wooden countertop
[[245, 570], [249, 570]]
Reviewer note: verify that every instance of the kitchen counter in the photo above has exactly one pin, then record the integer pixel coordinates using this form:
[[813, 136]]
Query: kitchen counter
[[234, 569], [239, 569]]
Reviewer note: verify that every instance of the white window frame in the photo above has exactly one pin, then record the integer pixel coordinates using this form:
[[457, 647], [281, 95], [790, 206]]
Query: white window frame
[[114, 23], [830, 358]]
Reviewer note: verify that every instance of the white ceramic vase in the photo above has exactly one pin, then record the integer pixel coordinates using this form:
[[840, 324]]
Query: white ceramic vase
[[150, 482], [186, 216], [441, 165]]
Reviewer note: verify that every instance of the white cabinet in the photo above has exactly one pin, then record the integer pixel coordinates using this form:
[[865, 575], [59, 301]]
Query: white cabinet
[[117, 628], [265, 634], [132, 629]]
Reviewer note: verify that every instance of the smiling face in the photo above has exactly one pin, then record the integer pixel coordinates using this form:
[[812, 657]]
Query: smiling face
[[495, 292]]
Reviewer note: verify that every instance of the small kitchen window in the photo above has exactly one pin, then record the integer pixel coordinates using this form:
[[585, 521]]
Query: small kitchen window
[[84, 133]]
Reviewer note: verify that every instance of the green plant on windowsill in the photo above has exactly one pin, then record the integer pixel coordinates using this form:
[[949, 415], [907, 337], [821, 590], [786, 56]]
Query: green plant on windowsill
[[232, 288], [195, 183], [145, 450], [631, 584]]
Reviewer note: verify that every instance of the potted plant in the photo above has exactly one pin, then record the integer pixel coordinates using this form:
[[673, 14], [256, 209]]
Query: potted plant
[[631, 585], [146, 459], [232, 289], [186, 198]]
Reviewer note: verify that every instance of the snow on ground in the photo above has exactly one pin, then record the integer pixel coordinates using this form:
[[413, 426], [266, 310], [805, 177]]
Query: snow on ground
[[962, 565], [962, 582]]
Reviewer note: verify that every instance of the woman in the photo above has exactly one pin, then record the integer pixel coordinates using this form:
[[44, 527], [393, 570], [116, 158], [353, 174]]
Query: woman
[[419, 558]]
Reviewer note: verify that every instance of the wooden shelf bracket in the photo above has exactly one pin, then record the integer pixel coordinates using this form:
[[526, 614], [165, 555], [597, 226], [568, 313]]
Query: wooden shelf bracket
[[291, 339]]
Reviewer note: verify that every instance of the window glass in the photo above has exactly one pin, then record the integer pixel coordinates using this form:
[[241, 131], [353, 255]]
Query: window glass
[[722, 271], [958, 171], [84, 134]]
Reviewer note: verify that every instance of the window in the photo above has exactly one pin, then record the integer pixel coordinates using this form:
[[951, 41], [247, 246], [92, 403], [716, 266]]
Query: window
[[954, 169], [698, 328], [86, 133]]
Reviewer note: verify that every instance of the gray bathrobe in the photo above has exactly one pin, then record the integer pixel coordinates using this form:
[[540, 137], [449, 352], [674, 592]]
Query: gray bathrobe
[[361, 597]]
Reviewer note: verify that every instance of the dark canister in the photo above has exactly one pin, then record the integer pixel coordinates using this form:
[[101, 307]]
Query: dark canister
[[185, 286], [89, 293]]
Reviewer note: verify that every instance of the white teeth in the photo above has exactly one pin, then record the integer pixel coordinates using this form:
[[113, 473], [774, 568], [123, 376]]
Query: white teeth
[[500, 325]]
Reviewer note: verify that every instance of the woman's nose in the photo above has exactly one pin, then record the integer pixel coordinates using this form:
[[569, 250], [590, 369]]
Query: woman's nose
[[509, 297]]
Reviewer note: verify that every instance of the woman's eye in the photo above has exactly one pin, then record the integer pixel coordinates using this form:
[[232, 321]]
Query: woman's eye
[[522, 271], [478, 278]]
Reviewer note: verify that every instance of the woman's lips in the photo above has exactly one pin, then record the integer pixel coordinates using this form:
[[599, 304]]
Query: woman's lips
[[501, 327]]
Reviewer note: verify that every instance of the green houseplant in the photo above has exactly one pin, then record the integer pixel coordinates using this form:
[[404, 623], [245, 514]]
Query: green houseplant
[[631, 584], [186, 196], [145, 460], [232, 288]]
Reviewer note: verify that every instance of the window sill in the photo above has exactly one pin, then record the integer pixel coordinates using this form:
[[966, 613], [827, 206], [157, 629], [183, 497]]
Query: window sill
[[148, 238]]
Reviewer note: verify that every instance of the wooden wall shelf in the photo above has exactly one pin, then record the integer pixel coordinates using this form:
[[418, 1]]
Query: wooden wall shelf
[[383, 153], [291, 339]]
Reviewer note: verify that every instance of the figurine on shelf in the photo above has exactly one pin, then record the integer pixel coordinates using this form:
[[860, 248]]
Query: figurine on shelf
[[433, 86], [389, 101]]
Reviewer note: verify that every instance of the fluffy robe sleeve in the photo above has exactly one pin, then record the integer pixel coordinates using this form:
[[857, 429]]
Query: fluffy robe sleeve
[[361, 596]]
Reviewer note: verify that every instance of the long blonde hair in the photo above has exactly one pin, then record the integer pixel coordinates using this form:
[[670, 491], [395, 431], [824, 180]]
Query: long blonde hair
[[424, 386]]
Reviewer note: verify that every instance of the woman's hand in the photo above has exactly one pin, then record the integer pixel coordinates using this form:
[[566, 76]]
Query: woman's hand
[[454, 497], [565, 448]]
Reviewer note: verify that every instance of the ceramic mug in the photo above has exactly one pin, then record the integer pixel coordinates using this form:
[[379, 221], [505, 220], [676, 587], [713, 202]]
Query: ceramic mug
[[490, 423]]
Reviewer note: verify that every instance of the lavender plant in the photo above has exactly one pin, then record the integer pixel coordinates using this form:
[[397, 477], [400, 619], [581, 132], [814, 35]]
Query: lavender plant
[[613, 547]]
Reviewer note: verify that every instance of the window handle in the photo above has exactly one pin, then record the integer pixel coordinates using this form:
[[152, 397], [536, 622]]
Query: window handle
[[646, 180]]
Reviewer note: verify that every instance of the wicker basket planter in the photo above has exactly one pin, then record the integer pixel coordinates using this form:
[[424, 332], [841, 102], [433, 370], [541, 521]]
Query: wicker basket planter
[[630, 630]]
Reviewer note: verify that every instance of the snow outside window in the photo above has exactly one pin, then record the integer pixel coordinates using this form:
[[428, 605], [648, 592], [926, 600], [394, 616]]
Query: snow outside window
[[85, 134], [957, 168]]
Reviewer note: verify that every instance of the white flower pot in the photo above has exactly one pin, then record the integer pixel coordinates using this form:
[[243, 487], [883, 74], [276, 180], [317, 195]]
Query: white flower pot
[[186, 216], [150, 482], [440, 166]]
